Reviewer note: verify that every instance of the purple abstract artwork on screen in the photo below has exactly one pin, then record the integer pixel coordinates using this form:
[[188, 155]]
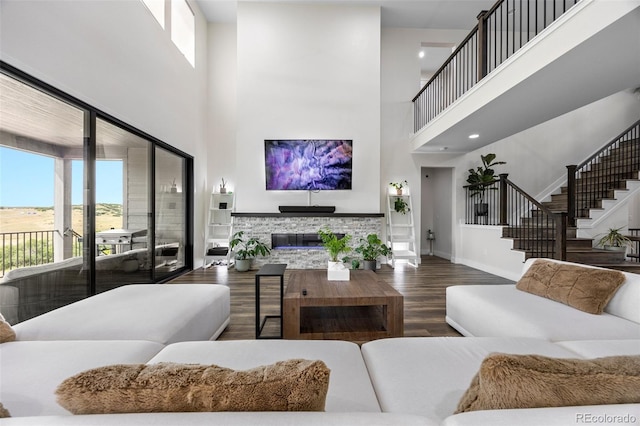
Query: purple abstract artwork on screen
[[308, 164]]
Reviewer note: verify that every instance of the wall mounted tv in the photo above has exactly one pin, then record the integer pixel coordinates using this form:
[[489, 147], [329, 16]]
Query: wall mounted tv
[[308, 164]]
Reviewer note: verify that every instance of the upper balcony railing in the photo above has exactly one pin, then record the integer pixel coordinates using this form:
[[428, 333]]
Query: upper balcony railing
[[500, 32]]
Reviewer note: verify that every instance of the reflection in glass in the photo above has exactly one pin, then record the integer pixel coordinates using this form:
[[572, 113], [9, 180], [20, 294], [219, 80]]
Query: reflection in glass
[[170, 229], [122, 207]]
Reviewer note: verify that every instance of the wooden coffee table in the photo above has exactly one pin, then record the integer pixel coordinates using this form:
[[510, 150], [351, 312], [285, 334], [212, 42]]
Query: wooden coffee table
[[361, 309]]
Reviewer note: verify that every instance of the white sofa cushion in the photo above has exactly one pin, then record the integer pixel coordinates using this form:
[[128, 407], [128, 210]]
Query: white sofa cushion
[[31, 371], [503, 311], [618, 414], [600, 348], [227, 419], [428, 375], [163, 313], [350, 388]]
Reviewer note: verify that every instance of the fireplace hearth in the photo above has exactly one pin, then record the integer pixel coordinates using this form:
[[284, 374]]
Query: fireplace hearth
[[290, 241]]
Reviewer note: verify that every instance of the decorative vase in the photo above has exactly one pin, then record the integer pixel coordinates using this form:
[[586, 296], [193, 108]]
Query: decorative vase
[[223, 190], [370, 265], [399, 191], [336, 271], [243, 265]]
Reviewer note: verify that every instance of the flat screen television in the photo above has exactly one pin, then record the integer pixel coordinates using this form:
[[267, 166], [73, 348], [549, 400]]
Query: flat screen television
[[308, 164]]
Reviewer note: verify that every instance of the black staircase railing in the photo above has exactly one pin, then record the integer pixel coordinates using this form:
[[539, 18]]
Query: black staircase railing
[[605, 171], [535, 229], [500, 32]]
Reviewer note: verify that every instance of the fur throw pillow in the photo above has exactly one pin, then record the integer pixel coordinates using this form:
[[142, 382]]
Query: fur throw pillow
[[293, 385], [7, 334], [531, 381], [4, 412], [586, 289]]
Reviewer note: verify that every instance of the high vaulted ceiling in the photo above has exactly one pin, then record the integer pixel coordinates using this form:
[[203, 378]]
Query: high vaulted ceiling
[[432, 14]]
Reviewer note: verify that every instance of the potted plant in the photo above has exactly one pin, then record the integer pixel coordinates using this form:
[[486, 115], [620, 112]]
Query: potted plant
[[614, 240], [246, 250], [479, 179], [335, 246], [401, 206], [371, 249], [223, 187], [399, 185]]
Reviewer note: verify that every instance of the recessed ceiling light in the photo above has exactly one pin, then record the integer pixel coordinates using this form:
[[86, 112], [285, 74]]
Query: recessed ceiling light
[[421, 54], [474, 136]]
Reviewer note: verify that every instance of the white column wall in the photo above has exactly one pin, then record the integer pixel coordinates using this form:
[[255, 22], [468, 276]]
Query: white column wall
[[307, 72]]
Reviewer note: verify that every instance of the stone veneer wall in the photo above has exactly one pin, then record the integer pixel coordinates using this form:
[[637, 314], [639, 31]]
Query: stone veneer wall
[[311, 258]]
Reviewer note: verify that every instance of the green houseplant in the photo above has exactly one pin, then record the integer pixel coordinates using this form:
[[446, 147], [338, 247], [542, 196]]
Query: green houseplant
[[614, 240], [371, 249], [479, 180], [336, 270], [399, 185], [333, 244], [246, 250], [401, 206]]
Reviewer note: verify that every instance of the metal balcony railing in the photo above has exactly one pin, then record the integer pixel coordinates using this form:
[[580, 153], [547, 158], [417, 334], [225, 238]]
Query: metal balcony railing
[[500, 32], [30, 248]]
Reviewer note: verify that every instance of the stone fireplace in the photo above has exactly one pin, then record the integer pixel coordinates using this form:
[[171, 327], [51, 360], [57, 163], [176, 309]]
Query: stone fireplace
[[294, 238]]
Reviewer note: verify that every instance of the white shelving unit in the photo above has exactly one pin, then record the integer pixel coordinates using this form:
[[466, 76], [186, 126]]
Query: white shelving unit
[[401, 233], [219, 229]]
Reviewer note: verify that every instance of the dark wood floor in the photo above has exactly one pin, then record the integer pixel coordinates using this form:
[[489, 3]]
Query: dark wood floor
[[423, 289]]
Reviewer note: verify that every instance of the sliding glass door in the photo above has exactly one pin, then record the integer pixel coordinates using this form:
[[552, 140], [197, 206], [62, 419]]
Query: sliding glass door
[[171, 205], [87, 202]]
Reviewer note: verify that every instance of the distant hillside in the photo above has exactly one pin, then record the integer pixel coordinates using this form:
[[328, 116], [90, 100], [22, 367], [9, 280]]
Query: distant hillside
[[23, 219]]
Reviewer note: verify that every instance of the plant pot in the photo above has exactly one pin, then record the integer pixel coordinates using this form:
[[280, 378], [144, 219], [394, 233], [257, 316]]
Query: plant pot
[[481, 209], [223, 190], [337, 271], [243, 265], [616, 248], [398, 191], [370, 265]]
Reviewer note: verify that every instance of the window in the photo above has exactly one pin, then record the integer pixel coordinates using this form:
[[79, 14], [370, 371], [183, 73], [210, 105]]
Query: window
[[77, 196], [156, 7], [183, 29]]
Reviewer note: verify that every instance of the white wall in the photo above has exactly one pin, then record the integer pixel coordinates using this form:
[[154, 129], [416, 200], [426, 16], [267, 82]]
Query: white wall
[[400, 82], [308, 72], [222, 111], [114, 56]]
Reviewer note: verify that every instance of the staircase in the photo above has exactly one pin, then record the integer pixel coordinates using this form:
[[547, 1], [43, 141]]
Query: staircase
[[606, 180]]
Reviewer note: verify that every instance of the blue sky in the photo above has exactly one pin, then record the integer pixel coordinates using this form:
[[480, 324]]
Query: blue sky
[[26, 180]]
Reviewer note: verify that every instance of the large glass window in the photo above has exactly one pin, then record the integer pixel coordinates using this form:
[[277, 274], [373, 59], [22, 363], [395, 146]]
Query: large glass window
[[170, 229], [183, 29], [156, 7], [41, 222], [122, 207], [77, 201]]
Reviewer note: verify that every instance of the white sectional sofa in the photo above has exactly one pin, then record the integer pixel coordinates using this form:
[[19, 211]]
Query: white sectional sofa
[[163, 313], [504, 311], [398, 381]]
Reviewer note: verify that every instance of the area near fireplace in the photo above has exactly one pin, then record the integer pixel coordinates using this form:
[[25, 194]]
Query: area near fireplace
[[303, 250]]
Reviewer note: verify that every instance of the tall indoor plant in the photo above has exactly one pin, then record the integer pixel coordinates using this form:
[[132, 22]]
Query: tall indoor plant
[[480, 179], [371, 249], [246, 250]]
